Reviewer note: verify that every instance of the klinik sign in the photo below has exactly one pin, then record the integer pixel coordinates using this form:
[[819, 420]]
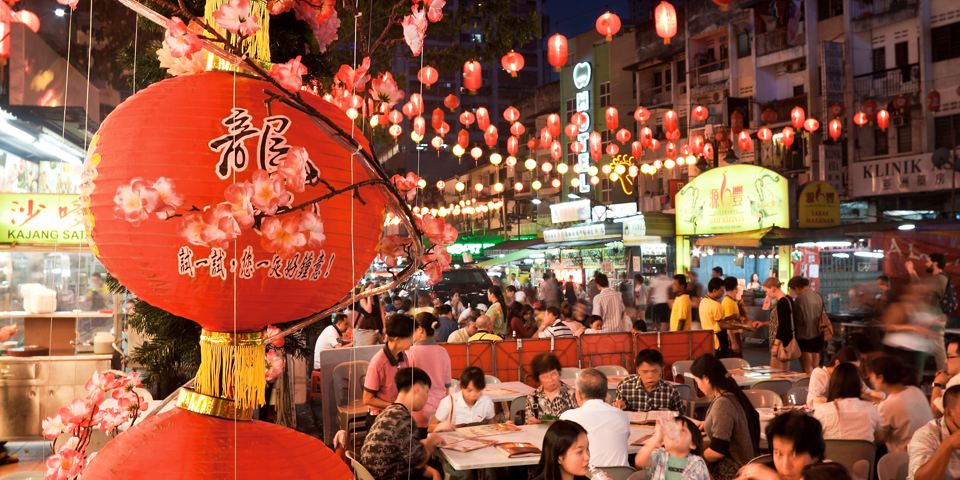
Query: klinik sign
[[582, 79]]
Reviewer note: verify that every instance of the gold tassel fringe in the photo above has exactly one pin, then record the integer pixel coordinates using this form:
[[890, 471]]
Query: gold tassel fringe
[[232, 366], [256, 47]]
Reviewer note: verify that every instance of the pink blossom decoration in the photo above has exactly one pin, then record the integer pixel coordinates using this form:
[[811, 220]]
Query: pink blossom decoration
[[312, 226], [433, 272], [393, 247], [384, 89], [53, 427], [282, 236], [76, 413], [181, 42], [407, 185], [71, 3], [132, 404], [437, 230], [108, 419], [170, 200], [414, 29], [219, 226], [276, 7], [436, 9], [99, 384], [271, 331], [354, 79], [324, 31], [269, 192], [235, 18], [293, 168], [135, 202], [66, 464], [127, 385], [186, 65], [289, 75], [238, 195], [191, 228], [274, 365]]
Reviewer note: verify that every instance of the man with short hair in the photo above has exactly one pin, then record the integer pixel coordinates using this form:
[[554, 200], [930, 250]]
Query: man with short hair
[[514, 282], [609, 305], [392, 448], [331, 337], [553, 325], [484, 331], [934, 450], [806, 320], [717, 272], [946, 378], [464, 334], [608, 427], [711, 314], [646, 391], [456, 307], [681, 315], [379, 390], [395, 306], [447, 325], [731, 308]]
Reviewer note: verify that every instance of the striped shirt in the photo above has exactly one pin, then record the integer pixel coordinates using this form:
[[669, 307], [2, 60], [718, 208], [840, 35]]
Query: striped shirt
[[557, 330], [609, 305]]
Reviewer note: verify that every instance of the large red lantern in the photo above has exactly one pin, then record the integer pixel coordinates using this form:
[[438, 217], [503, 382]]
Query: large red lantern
[[576, 147], [696, 144], [557, 51], [641, 115], [834, 128], [797, 116], [613, 118], [870, 109], [670, 120], [443, 128], [483, 118], [933, 101], [451, 101], [736, 123], [883, 119], [533, 144], [579, 119], [901, 103], [427, 76], [467, 118], [768, 116], [512, 62], [490, 135], [571, 130], [511, 114], [837, 110], [744, 141], [436, 119], [608, 24], [623, 135], [596, 144], [472, 76], [395, 117], [556, 150], [395, 131], [708, 151], [613, 149], [860, 119], [673, 134], [787, 136], [700, 113], [671, 150], [513, 144], [463, 139], [811, 125], [553, 124], [646, 134], [666, 19], [654, 144], [764, 134], [545, 137], [636, 149], [517, 129]]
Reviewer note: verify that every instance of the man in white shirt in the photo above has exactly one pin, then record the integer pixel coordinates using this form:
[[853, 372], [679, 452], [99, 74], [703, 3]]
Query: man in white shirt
[[331, 337], [609, 305], [514, 282], [658, 296], [946, 378], [608, 427], [935, 448], [553, 325]]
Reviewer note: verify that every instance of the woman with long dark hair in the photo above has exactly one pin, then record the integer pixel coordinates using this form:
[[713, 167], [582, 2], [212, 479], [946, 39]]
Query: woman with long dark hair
[[845, 416], [516, 328], [566, 453], [496, 311], [732, 423]]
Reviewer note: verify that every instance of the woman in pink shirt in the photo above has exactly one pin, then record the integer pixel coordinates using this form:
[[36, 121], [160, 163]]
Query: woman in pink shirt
[[433, 359]]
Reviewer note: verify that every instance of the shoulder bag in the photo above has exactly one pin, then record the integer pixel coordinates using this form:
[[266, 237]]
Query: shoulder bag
[[791, 351]]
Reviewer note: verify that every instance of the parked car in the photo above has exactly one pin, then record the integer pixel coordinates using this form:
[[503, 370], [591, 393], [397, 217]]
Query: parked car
[[471, 282]]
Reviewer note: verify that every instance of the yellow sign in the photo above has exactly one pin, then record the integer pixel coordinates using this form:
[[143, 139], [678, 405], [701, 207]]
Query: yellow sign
[[735, 198], [818, 206], [41, 218]]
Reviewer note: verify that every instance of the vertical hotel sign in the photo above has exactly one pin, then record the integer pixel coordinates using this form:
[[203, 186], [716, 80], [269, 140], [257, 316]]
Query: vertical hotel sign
[[582, 76], [41, 218], [735, 198], [818, 206]]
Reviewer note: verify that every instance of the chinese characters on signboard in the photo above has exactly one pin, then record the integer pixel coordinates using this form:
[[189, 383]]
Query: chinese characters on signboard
[[818, 206], [907, 174], [736, 198], [38, 218]]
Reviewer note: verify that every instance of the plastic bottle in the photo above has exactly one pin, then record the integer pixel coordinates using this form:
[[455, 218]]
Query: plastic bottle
[[595, 473]]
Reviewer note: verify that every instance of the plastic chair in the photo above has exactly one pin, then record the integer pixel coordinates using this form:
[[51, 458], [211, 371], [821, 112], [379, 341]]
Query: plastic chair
[[762, 459], [618, 472], [857, 455], [781, 387], [489, 379], [802, 382], [797, 396], [569, 373], [360, 470], [893, 466], [638, 475], [679, 368], [696, 406], [612, 370], [732, 363], [518, 404], [684, 390], [348, 380], [316, 385], [763, 398]]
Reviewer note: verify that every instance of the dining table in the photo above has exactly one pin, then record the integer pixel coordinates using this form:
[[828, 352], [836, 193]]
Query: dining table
[[507, 391], [750, 376]]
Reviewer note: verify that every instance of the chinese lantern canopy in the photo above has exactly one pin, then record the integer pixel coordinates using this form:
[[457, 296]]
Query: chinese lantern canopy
[[641, 115], [666, 19], [764, 134], [451, 101], [736, 123], [787, 136], [811, 125], [870, 109], [636, 149], [571, 130], [834, 128], [557, 51], [768, 116], [608, 24], [427, 76], [517, 129], [860, 118], [553, 124], [472, 76], [700, 113], [511, 114], [467, 118], [483, 118], [837, 110], [512, 62], [933, 101], [613, 118], [797, 117], [596, 144], [883, 119], [744, 141], [623, 135]]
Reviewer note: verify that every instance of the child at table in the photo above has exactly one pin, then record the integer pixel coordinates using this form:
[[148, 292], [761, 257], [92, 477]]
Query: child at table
[[594, 324], [468, 406], [679, 458]]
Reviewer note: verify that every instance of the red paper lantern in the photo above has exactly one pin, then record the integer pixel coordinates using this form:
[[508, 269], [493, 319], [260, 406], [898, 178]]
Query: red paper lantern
[[512, 62], [883, 119], [427, 76], [517, 129], [671, 150], [416, 104], [654, 144], [700, 113], [837, 110], [636, 149], [933, 101], [571, 130], [608, 24], [576, 147], [467, 118], [666, 20], [553, 124], [811, 125], [513, 144], [764, 134], [547, 167], [596, 144], [834, 128], [511, 114], [557, 51], [483, 118], [787, 136], [545, 137], [672, 134], [463, 139], [860, 118], [555, 183], [395, 131], [436, 142], [476, 153], [451, 102], [579, 119], [149, 255], [684, 150], [708, 151], [722, 136], [518, 186], [670, 120], [901, 103], [511, 161], [472, 76], [736, 123], [768, 116], [744, 141], [533, 144], [646, 134], [444, 128], [556, 150], [490, 135], [870, 109], [594, 180], [395, 117], [623, 135], [613, 149], [613, 118], [478, 187], [641, 115], [606, 169], [436, 119], [696, 144], [419, 126], [441, 184], [797, 117]]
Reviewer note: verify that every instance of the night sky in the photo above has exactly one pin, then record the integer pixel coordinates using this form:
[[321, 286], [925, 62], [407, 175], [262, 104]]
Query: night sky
[[573, 17]]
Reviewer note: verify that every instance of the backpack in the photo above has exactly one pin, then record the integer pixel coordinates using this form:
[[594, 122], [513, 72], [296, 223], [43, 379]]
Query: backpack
[[948, 303]]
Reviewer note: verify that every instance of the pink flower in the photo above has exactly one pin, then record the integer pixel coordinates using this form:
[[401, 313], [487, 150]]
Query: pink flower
[[290, 74], [186, 65], [437, 230], [392, 247], [235, 17], [436, 9], [324, 31], [282, 237], [269, 192], [132, 403], [442, 258], [135, 202], [238, 196], [170, 200], [414, 29], [274, 365], [219, 226], [127, 384], [271, 331], [354, 79], [293, 168], [66, 464], [312, 226], [72, 3], [191, 228], [384, 89], [53, 427], [108, 419], [76, 413], [181, 43], [103, 382], [276, 7], [407, 184], [433, 272]]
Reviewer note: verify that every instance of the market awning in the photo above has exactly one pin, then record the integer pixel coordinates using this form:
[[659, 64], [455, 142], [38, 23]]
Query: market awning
[[742, 239], [515, 245], [776, 236], [579, 243], [506, 258]]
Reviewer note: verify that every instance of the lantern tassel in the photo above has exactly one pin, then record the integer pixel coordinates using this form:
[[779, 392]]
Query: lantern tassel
[[666, 41], [232, 366], [257, 46]]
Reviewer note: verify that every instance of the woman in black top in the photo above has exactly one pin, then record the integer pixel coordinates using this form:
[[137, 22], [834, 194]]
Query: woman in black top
[[570, 293], [566, 453], [781, 320]]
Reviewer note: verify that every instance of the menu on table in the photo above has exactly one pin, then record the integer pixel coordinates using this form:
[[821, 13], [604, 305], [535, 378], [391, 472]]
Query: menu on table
[[488, 430]]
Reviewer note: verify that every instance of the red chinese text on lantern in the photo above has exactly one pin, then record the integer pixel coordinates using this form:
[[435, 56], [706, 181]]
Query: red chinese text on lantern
[[512, 62], [665, 17], [787, 136], [553, 124], [811, 125], [517, 129], [608, 25], [596, 144], [933, 101], [736, 123], [860, 119], [483, 118], [557, 51], [883, 119], [768, 116], [472, 76], [613, 118], [427, 76], [797, 117], [834, 128], [451, 102], [700, 113], [744, 141], [837, 110], [764, 134], [623, 135], [641, 115], [511, 114]]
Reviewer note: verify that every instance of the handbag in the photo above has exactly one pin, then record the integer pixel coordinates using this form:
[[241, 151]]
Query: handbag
[[789, 352], [826, 327]]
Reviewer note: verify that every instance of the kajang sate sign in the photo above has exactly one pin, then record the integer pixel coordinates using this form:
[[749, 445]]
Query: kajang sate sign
[[38, 218], [906, 174]]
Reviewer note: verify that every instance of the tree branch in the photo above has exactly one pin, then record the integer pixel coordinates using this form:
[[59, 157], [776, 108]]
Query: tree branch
[[391, 21]]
